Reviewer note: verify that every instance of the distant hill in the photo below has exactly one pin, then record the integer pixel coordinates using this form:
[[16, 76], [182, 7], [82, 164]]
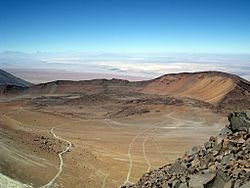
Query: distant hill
[[220, 89], [9, 79]]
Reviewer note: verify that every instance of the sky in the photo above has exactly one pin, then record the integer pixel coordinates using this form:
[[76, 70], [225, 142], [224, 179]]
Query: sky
[[144, 38], [189, 26]]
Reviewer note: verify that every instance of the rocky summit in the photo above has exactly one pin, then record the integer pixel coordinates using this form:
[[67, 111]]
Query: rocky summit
[[221, 162]]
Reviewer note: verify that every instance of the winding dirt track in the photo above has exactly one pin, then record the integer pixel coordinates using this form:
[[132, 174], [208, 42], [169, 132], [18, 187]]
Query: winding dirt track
[[144, 153], [52, 181], [155, 126], [104, 180], [130, 156]]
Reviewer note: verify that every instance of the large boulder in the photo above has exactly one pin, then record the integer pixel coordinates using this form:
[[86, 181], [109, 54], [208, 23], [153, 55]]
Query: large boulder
[[240, 121]]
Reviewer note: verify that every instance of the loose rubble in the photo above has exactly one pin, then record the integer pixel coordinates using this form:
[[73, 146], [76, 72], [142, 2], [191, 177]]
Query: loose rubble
[[221, 162]]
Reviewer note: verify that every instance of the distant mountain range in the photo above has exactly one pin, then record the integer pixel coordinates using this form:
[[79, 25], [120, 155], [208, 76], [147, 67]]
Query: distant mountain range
[[214, 89]]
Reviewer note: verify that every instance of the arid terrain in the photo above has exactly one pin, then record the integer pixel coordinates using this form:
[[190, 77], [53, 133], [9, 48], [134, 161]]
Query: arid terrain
[[108, 133], [222, 161]]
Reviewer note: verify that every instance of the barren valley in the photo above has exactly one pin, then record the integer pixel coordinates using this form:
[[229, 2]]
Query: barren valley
[[107, 133]]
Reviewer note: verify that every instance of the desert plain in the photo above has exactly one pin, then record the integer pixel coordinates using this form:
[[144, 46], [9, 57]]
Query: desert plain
[[105, 152]]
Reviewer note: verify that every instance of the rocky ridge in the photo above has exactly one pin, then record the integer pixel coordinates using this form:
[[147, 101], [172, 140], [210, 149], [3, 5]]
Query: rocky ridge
[[221, 162]]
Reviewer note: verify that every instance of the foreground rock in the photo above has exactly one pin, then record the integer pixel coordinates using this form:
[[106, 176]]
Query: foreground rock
[[222, 162]]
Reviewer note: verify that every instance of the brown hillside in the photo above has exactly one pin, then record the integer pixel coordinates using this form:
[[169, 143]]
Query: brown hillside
[[210, 87], [222, 91]]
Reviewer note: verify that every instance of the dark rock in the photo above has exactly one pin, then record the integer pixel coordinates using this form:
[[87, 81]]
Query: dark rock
[[177, 168], [225, 132], [220, 180], [200, 180], [240, 121], [183, 185], [208, 144], [229, 184], [176, 183], [237, 184], [246, 185], [193, 151], [226, 159]]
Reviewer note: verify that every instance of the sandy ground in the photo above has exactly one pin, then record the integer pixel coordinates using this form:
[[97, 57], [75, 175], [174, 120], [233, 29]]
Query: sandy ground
[[105, 152]]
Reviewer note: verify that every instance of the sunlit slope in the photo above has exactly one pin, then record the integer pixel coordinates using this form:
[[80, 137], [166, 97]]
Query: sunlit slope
[[207, 87]]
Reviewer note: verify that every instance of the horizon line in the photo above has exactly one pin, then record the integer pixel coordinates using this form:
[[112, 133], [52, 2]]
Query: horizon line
[[125, 52]]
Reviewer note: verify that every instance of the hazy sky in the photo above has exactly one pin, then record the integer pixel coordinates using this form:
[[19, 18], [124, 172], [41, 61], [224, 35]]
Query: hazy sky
[[147, 65], [190, 26]]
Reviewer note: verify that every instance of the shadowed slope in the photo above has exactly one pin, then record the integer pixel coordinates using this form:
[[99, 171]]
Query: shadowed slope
[[10, 84], [8, 79]]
